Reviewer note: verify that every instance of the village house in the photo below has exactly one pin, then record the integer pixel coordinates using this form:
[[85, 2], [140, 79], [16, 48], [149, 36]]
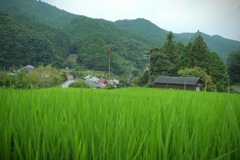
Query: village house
[[95, 82], [100, 82], [70, 77], [28, 68], [186, 83]]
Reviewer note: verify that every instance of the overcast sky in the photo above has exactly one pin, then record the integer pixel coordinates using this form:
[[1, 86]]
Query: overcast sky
[[214, 17]]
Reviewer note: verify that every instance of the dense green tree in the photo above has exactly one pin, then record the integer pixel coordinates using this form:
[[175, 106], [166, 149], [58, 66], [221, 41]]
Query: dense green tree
[[123, 83], [160, 63], [79, 84], [169, 49], [92, 55], [17, 79], [179, 49], [233, 64], [46, 76], [164, 60], [198, 72], [5, 79], [143, 79], [184, 60], [217, 69], [198, 52]]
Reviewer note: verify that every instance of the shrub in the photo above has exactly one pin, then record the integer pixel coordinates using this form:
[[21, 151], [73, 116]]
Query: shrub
[[5, 79], [46, 77], [110, 86], [79, 84]]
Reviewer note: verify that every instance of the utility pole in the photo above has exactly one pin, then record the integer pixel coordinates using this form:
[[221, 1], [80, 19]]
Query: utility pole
[[109, 52], [149, 65]]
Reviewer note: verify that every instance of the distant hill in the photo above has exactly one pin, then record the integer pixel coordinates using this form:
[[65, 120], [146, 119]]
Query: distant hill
[[68, 33], [158, 36], [40, 11], [26, 42], [89, 38], [215, 43], [144, 28]]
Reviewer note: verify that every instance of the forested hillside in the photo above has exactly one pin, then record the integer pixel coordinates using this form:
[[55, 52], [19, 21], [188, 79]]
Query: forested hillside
[[35, 33], [91, 39], [37, 10], [144, 28], [26, 42]]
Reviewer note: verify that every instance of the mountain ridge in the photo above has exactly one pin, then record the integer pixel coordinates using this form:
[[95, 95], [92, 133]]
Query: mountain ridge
[[89, 37], [215, 43]]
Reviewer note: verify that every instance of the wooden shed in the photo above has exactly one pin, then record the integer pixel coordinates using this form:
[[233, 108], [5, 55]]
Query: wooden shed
[[187, 83]]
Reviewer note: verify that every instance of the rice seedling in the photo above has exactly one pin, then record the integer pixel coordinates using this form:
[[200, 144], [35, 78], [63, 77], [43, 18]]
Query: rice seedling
[[132, 123]]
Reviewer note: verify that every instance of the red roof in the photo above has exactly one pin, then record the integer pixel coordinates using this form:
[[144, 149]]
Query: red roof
[[69, 77], [102, 80]]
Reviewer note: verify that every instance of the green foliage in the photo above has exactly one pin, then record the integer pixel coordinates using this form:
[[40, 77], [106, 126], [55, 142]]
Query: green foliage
[[17, 80], [110, 86], [192, 60], [184, 57], [5, 79], [144, 28], [46, 77], [37, 10], [218, 71], [143, 79], [198, 72], [27, 41], [123, 83], [77, 74], [233, 63], [214, 43], [79, 84], [198, 54], [160, 63], [164, 60], [132, 123], [24, 43], [91, 38]]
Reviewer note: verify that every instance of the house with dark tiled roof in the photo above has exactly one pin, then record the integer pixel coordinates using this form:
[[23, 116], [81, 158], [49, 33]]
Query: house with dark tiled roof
[[186, 83]]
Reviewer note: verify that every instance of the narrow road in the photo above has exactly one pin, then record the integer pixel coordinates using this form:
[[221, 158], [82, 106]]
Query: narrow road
[[67, 83]]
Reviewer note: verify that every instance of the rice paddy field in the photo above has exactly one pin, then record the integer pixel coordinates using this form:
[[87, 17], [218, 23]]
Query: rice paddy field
[[119, 124]]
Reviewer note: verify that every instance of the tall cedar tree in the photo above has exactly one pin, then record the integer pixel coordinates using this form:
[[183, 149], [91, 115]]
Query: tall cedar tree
[[169, 48], [160, 63], [164, 59], [198, 53]]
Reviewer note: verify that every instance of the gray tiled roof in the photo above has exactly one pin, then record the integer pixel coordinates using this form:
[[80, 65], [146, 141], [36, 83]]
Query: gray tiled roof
[[177, 80]]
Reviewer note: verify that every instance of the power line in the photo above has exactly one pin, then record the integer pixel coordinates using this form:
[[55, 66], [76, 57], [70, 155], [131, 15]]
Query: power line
[[222, 20]]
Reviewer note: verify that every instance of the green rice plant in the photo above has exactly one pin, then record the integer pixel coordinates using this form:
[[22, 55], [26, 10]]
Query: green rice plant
[[131, 123]]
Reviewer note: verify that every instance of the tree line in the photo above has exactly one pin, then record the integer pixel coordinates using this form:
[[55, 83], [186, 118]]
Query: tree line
[[192, 60]]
